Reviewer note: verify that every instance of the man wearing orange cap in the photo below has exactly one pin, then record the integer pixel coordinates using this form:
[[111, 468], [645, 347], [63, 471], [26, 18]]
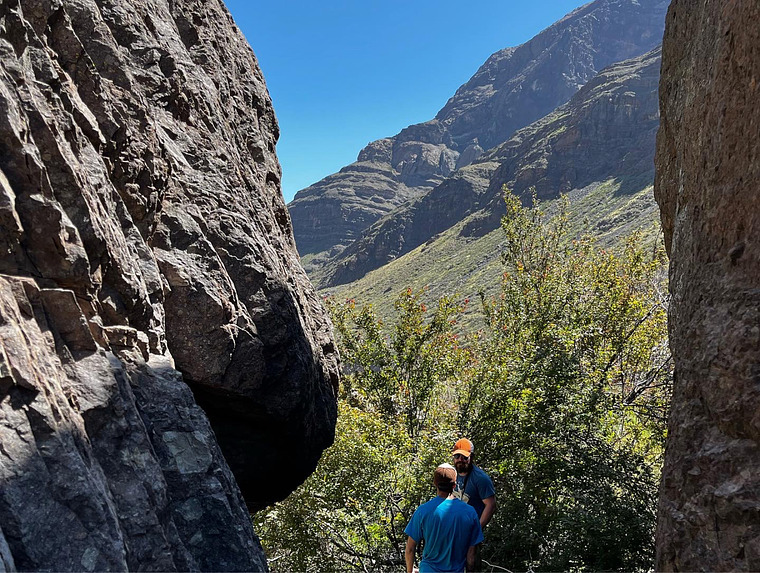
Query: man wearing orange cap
[[450, 528], [473, 484], [475, 487]]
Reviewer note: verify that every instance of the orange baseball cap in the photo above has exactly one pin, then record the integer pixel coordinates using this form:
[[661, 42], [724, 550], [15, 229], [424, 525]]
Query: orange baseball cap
[[464, 447]]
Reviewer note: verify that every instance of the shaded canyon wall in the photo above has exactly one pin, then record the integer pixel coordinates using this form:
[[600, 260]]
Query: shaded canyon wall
[[707, 182], [147, 266]]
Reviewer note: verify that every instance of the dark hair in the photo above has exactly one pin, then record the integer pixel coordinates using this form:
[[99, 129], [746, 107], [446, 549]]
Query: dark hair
[[445, 485]]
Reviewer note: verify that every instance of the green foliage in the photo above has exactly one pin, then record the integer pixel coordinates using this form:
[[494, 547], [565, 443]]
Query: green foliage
[[564, 395], [399, 375], [395, 425], [568, 404], [346, 515]]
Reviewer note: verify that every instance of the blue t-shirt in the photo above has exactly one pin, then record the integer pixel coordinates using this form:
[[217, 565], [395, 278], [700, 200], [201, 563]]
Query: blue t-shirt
[[479, 487], [449, 528]]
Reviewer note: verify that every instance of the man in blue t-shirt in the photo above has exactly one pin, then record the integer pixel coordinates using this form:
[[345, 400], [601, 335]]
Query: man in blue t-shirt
[[450, 528], [473, 484]]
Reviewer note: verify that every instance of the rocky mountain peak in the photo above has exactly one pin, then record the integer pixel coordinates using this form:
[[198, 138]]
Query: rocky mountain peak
[[606, 131], [515, 87]]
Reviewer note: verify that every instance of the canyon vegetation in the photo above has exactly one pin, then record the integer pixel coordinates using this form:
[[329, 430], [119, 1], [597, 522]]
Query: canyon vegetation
[[560, 265], [564, 392]]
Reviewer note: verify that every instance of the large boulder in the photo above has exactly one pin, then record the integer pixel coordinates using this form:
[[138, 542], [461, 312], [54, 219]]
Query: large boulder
[[161, 350], [708, 169]]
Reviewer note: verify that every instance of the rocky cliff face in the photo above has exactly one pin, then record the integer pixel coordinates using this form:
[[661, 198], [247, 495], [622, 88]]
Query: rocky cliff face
[[708, 168], [147, 267], [514, 88], [606, 131]]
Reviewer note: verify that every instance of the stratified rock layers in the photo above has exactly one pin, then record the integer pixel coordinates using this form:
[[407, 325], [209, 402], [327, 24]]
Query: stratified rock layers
[[512, 89], [607, 130], [708, 169], [147, 266]]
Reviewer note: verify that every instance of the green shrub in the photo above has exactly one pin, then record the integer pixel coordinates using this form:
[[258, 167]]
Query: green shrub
[[568, 403], [394, 426], [564, 394]]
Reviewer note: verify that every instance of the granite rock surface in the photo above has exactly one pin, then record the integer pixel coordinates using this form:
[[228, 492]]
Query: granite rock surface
[[708, 168], [164, 361]]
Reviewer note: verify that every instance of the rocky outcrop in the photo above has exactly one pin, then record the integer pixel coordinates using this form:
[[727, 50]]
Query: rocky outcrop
[[606, 131], [514, 88], [708, 168], [161, 350]]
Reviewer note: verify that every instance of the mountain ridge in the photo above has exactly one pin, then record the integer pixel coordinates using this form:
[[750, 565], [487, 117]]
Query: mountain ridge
[[607, 130], [390, 171]]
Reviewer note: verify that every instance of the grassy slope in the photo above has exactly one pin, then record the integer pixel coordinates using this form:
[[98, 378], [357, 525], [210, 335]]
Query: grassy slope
[[452, 264]]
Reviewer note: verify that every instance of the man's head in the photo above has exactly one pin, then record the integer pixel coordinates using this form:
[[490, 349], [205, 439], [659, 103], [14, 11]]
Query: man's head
[[462, 453], [445, 478]]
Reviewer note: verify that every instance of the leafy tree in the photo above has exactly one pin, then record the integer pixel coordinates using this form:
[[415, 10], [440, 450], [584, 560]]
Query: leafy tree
[[395, 424], [564, 395], [569, 400]]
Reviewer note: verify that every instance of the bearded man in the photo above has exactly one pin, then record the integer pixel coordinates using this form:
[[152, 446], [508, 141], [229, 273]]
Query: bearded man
[[473, 484]]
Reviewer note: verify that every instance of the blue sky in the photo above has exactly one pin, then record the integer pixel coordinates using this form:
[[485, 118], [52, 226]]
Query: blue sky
[[343, 73]]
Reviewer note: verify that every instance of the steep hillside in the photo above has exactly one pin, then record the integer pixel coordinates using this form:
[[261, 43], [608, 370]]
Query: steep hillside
[[606, 132], [512, 89], [159, 342], [457, 262]]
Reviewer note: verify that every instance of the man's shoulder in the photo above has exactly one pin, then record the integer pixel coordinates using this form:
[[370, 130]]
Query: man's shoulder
[[469, 510], [478, 472], [430, 505], [465, 513], [419, 517], [463, 507]]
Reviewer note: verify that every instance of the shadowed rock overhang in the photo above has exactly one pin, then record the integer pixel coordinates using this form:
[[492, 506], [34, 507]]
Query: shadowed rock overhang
[[145, 251]]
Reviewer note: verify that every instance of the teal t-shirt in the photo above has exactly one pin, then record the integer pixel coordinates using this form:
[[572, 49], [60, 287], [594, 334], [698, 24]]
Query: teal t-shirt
[[449, 527]]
